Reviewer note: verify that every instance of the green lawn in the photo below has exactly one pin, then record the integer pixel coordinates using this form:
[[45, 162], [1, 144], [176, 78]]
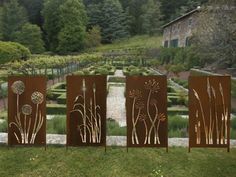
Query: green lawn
[[92, 162], [143, 41]]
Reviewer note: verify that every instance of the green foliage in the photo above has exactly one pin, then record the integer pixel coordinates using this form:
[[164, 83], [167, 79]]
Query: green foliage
[[233, 88], [31, 37], [1, 23], [51, 15], [192, 58], [182, 58], [114, 129], [176, 110], [177, 122], [167, 55], [133, 70], [53, 109], [135, 11], [57, 125], [33, 9], [3, 126], [153, 62], [10, 51], [73, 20], [113, 22], [181, 82], [133, 44], [13, 18], [177, 68], [138, 162], [93, 37], [97, 70], [61, 99], [151, 18], [94, 12]]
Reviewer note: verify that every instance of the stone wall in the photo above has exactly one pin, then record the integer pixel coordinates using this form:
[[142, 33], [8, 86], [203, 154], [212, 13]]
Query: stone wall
[[180, 29]]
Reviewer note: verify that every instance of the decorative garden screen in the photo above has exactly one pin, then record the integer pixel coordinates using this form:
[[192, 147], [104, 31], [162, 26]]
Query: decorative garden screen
[[146, 109], [209, 111], [26, 110], [86, 110]]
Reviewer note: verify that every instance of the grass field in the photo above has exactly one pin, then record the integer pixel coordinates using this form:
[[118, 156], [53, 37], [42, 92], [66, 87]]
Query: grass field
[[94, 162], [143, 41]]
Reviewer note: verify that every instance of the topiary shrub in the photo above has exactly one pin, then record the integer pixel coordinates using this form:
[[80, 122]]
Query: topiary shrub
[[10, 51]]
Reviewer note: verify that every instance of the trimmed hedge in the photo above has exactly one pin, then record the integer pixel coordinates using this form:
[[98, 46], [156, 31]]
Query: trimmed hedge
[[174, 99], [133, 70], [117, 79], [60, 85], [53, 95], [61, 99], [56, 109], [10, 51], [58, 90], [177, 111]]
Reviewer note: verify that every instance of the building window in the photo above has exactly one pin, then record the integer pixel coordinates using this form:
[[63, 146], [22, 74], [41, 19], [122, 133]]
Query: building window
[[190, 21], [174, 43], [178, 27], [187, 42], [166, 31], [166, 44]]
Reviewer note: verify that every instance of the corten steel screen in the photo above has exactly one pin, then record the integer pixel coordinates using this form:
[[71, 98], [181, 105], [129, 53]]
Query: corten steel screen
[[146, 109], [209, 111], [26, 110], [86, 110]]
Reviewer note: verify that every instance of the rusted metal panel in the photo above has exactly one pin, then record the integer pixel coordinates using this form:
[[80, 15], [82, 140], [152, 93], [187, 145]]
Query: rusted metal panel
[[209, 111], [146, 109], [86, 110], [27, 110]]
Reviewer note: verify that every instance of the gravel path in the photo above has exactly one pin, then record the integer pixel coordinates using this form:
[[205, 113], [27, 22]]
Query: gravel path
[[116, 105], [116, 101]]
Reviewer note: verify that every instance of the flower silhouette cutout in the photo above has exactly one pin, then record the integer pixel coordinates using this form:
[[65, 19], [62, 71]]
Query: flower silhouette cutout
[[139, 105], [18, 87], [37, 97], [26, 109], [142, 117], [152, 85], [135, 94]]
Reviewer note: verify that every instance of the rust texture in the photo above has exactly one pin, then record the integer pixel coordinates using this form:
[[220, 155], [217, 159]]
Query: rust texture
[[146, 109], [209, 111], [86, 110], [27, 110]]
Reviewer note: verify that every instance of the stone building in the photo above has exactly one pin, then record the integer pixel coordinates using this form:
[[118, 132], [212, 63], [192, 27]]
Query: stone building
[[177, 32]]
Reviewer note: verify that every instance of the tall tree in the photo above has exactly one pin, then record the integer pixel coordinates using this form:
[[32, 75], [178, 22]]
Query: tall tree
[[13, 18], [73, 21], [51, 14], [31, 37], [88, 2], [94, 13], [33, 8], [114, 21], [1, 24], [151, 18], [135, 11]]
